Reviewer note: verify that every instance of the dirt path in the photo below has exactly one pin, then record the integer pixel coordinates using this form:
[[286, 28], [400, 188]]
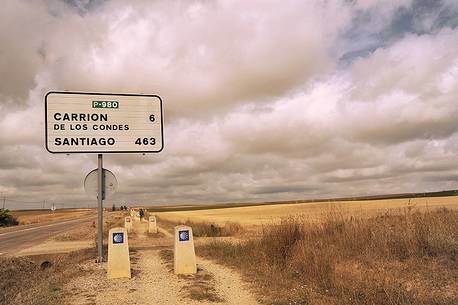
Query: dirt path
[[228, 283], [153, 281]]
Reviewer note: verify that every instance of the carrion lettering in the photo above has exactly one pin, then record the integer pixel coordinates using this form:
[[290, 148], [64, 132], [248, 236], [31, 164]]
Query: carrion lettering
[[81, 117]]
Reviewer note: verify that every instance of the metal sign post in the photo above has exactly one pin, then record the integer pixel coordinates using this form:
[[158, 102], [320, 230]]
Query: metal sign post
[[100, 189], [100, 207]]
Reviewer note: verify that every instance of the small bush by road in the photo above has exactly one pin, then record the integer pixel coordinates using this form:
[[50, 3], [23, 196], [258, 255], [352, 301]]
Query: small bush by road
[[6, 219]]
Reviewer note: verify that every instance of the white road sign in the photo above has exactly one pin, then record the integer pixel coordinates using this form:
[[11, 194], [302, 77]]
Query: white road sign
[[103, 123]]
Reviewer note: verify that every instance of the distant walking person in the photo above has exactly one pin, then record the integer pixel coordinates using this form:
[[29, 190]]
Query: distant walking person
[[142, 213]]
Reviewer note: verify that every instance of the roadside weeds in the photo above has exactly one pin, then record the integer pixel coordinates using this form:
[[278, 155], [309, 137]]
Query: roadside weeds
[[391, 259], [39, 280]]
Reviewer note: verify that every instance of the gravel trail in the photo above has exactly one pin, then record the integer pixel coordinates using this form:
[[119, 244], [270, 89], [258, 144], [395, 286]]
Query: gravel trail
[[229, 284], [153, 282]]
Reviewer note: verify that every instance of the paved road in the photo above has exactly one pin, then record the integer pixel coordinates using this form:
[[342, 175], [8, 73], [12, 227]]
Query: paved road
[[24, 237]]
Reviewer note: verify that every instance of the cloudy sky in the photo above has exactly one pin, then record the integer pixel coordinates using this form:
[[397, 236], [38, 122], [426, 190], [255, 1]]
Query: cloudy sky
[[263, 100]]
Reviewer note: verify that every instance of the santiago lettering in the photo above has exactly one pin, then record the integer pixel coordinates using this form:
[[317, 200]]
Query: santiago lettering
[[84, 141]]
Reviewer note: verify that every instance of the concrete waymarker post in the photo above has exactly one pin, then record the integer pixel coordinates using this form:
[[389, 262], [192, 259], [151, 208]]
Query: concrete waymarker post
[[184, 256], [152, 225], [134, 214], [118, 254], [128, 224]]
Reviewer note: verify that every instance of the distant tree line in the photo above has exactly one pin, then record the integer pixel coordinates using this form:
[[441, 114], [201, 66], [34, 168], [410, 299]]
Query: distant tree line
[[121, 208]]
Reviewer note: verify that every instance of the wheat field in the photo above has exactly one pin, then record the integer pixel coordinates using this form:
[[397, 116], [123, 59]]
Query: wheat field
[[266, 214]]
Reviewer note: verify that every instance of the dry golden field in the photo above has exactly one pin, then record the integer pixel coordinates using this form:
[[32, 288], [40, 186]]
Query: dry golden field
[[266, 214], [384, 252], [407, 256], [28, 217]]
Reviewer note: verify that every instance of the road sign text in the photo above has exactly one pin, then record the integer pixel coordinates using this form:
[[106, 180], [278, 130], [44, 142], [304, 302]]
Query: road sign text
[[103, 123]]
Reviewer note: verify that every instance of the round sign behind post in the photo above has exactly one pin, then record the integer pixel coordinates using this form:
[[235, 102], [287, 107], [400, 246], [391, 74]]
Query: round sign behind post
[[110, 184]]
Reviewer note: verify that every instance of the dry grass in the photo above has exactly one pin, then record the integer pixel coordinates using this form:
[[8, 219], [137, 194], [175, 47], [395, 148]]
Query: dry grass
[[167, 258], [208, 229], [77, 234], [111, 220], [391, 259], [155, 235], [199, 286], [23, 281], [203, 289], [204, 228], [29, 217], [82, 235]]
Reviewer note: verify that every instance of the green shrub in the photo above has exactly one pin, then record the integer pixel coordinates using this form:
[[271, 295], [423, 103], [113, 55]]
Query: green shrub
[[6, 219]]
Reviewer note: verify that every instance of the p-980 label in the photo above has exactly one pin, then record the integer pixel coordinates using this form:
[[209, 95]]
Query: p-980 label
[[105, 104]]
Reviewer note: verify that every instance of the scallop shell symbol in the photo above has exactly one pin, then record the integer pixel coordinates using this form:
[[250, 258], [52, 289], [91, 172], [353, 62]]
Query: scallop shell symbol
[[184, 235], [118, 238]]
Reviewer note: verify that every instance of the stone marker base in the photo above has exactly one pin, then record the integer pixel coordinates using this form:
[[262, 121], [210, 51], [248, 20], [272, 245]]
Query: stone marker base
[[118, 265], [152, 224], [128, 224], [184, 257]]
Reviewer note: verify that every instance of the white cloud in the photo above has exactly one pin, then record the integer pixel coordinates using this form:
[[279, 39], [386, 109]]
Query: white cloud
[[257, 105]]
